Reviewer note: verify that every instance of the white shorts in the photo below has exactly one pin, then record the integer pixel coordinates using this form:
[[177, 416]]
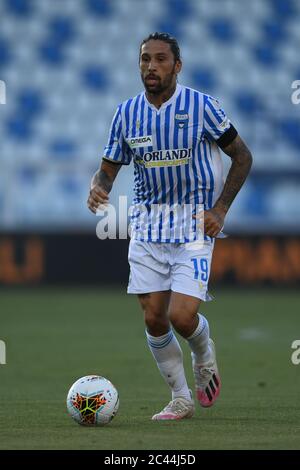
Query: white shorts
[[180, 267]]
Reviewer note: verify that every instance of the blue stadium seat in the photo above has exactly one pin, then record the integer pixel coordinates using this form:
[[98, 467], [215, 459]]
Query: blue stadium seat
[[27, 175], [52, 53], [285, 9], [179, 8], [19, 128], [265, 54], [61, 29], [290, 130], [30, 102], [274, 31], [99, 7], [5, 52], [256, 203], [19, 7], [169, 25], [94, 77], [248, 103], [69, 185], [63, 149], [204, 79], [223, 29]]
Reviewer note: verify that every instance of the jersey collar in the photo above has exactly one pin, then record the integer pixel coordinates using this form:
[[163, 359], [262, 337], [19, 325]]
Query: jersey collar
[[166, 103]]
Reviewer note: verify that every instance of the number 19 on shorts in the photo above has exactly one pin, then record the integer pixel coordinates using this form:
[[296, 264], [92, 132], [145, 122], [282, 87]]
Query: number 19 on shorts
[[200, 269]]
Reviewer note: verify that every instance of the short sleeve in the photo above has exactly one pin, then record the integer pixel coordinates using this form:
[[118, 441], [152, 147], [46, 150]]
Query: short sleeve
[[117, 150], [217, 126]]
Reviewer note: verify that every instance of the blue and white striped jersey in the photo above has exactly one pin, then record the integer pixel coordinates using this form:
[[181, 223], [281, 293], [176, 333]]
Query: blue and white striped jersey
[[177, 162]]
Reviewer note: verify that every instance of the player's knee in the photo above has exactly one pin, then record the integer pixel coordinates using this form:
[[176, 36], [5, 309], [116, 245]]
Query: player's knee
[[157, 323], [183, 322]]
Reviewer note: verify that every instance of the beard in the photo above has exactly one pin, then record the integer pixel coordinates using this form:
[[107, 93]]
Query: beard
[[160, 85], [156, 89]]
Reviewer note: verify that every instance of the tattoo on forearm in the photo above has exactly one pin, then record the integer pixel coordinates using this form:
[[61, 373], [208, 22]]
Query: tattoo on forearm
[[241, 164], [102, 179]]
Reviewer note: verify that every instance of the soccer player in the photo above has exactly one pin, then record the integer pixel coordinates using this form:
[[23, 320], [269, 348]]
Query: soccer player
[[173, 134]]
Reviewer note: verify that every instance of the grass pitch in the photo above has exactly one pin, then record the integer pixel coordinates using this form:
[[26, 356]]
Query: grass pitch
[[55, 336]]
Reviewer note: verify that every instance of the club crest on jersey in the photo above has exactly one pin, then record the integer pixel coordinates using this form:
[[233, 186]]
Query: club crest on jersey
[[137, 142], [181, 120], [166, 158]]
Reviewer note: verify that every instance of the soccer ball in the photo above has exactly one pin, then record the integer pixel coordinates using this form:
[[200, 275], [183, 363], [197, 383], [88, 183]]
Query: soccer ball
[[93, 401]]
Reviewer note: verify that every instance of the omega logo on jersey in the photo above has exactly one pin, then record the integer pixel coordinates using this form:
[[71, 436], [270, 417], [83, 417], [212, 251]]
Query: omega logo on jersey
[[167, 157], [143, 141]]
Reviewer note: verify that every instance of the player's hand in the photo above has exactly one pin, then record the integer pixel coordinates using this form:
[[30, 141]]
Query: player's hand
[[98, 197], [213, 221]]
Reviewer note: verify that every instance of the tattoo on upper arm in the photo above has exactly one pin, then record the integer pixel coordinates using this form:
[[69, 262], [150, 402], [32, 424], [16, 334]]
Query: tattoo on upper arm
[[240, 167], [238, 150]]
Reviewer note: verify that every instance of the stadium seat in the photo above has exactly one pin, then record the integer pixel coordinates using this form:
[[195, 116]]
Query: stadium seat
[[249, 102], [169, 25], [284, 8], [265, 54], [99, 7], [63, 149], [290, 130], [52, 53], [30, 102], [204, 79], [5, 53], [94, 77], [181, 10], [19, 8], [19, 128], [274, 31], [257, 202], [223, 29], [61, 29]]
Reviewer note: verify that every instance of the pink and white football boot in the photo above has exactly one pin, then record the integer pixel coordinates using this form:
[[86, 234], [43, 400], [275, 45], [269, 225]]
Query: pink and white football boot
[[207, 379], [179, 408]]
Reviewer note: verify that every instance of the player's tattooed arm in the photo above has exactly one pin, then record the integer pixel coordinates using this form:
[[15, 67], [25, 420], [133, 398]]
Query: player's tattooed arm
[[106, 175], [241, 163], [101, 184]]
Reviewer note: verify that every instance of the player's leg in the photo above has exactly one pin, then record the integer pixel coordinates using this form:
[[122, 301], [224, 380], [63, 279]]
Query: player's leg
[[194, 327], [150, 280], [191, 325], [190, 274], [167, 354]]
